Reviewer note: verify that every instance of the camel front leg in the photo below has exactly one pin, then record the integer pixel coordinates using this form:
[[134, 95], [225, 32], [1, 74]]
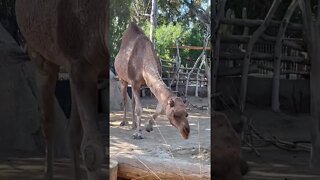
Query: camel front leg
[[150, 124], [84, 86], [124, 87], [138, 111], [46, 76]]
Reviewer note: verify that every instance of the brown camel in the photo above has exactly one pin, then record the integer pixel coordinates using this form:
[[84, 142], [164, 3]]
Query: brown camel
[[137, 64], [72, 34], [227, 162]]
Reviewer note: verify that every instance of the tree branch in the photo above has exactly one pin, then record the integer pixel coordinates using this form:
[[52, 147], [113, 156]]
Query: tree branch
[[199, 12], [277, 56]]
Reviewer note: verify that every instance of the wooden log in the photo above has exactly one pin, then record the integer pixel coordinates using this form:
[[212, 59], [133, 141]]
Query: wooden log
[[264, 39], [285, 71], [275, 105], [149, 168], [184, 79], [113, 170], [258, 22], [312, 31], [191, 47], [264, 56], [247, 57], [216, 55], [181, 73], [234, 71]]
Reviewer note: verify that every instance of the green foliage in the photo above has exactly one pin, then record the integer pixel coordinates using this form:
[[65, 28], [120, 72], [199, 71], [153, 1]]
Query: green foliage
[[166, 35], [120, 17], [174, 21]]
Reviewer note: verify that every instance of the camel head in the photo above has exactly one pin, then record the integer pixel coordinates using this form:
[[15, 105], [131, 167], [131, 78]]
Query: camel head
[[177, 115]]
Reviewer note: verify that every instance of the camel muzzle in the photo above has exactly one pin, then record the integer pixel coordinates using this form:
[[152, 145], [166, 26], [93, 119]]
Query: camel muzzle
[[184, 131]]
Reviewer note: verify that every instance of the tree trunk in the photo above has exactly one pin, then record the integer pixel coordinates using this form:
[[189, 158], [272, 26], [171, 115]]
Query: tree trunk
[[312, 37], [278, 54], [216, 52], [247, 57], [153, 19]]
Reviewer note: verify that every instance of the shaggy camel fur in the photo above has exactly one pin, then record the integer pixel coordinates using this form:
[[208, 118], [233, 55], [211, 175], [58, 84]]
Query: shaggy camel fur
[[73, 34], [137, 64]]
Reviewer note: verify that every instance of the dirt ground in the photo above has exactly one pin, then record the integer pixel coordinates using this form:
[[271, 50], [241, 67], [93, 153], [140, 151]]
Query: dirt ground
[[275, 163], [272, 164], [164, 141]]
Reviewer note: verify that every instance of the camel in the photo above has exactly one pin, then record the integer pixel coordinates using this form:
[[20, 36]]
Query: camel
[[137, 64], [227, 161], [72, 34]]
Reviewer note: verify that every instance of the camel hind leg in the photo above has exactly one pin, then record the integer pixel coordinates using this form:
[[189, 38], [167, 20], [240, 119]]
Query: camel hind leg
[[138, 111], [84, 83], [133, 106], [75, 134], [46, 77], [124, 87]]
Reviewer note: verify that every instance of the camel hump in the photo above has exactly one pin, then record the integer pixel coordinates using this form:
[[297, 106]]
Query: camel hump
[[134, 28]]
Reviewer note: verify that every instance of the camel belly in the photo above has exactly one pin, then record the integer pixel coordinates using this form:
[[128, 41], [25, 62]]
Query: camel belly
[[36, 22], [59, 31]]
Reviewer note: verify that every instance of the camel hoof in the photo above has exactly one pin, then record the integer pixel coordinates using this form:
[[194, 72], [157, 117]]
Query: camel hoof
[[149, 128], [48, 176], [137, 135], [134, 125], [124, 123]]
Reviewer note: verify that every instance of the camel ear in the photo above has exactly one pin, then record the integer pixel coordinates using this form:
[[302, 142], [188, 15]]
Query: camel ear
[[171, 102]]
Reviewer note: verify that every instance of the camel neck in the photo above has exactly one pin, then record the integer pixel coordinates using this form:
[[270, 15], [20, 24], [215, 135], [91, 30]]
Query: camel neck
[[154, 81]]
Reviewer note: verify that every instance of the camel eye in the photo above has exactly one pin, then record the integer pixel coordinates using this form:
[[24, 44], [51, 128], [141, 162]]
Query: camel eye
[[187, 115]]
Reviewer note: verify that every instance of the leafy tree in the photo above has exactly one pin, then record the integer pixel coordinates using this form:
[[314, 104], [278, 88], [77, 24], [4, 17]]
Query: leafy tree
[[120, 17], [175, 20]]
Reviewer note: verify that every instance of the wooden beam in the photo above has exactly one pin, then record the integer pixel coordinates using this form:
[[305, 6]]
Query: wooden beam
[[264, 56], [263, 39], [236, 71], [191, 47], [258, 22], [284, 71]]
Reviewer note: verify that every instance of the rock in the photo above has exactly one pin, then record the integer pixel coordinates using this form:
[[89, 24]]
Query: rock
[[116, 102]]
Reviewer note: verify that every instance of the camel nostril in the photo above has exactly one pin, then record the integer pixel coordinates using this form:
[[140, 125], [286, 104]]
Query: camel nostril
[[186, 131]]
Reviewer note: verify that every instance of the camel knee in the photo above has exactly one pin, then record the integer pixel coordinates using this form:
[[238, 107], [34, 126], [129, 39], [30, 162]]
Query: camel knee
[[138, 110], [154, 117], [93, 155], [47, 129], [74, 137]]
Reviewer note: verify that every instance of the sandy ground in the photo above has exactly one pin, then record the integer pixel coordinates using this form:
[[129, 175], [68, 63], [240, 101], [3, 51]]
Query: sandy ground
[[164, 141], [275, 163]]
